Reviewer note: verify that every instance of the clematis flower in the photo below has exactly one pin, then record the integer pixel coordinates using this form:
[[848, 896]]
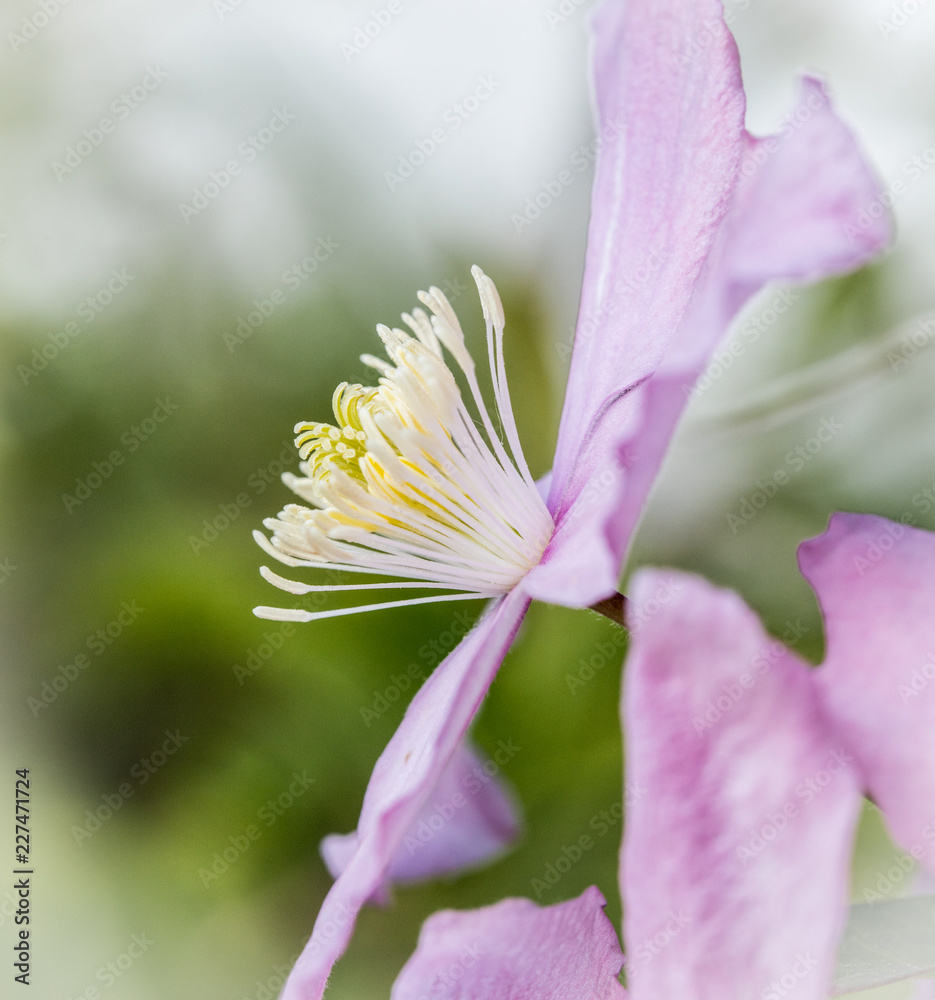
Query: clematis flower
[[735, 863], [690, 217]]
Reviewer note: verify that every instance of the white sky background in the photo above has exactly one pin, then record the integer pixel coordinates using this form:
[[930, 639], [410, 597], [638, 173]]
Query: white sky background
[[227, 71]]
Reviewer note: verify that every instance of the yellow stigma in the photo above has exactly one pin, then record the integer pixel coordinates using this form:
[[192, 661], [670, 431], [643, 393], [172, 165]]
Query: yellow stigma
[[404, 483]]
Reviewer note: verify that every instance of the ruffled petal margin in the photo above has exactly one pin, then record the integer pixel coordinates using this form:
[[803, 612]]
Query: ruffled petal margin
[[516, 949], [736, 856], [793, 218], [875, 581]]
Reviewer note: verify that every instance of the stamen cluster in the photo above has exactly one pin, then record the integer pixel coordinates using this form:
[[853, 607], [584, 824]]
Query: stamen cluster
[[405, 484]]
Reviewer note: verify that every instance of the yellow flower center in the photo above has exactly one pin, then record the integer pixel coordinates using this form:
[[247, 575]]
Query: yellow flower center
[[405, 484]]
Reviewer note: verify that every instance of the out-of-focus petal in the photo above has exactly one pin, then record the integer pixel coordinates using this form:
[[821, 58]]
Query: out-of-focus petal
[[742, 806], [670, 109], [886, 942], [798, 194], [793, 219], [516, 950], [469, 819], [403, 780], [875, 581]]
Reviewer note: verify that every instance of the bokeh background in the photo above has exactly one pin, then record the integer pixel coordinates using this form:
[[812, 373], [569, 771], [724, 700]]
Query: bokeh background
[[142, 435]]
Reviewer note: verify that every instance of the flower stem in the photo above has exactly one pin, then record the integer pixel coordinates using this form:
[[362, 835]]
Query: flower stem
[[612, 608]]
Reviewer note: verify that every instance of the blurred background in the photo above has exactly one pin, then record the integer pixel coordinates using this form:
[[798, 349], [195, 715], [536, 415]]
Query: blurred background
[[205, 208]]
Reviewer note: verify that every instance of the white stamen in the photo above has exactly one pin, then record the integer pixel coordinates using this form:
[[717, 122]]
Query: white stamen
[[297, 615], [407, 485]]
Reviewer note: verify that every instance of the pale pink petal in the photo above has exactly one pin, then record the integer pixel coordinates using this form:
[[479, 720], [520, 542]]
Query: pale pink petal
[[875, 581], [798, 192], [792, 220], [735, 863], [403, 780], [469, 819], [670, 110], [516, 950]]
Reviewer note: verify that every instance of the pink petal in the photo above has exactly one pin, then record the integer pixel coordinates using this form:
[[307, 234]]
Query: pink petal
[[792, 219], [738, 835], [670, 112], [516, 950], [875, 580], [801, 193], [403, 780], [469, 818]]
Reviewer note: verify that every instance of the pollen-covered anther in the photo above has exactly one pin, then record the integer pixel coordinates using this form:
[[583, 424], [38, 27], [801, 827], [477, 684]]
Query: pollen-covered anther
[[405, 484]]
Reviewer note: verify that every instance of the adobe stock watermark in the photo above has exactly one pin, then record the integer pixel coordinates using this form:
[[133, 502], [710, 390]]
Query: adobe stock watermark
[[255, 659], [364, 34], [452, 120], [875, 550], [753, 328], [444, 980], [271, 987], [41, 17], [918, 680], [912, 344], [711, 32], [453, 289], [607, 650], [224, 7], [120, 110], [554, 16], [109, 973], [7, 569], [258, 482], [797, 459], [442, 813], [787, 982], [339, 916], [759, 152], [432, 652], [140, 773], [892, 531], [239, 843], [913, 170], [98, 642], [131, 439], [804, 793], [734, 691], [601, 823], [890, 879], [293, 278], [247, 151], [591, 322], [923, 500], [900, 15], [551, 189], [87, 311], [383, 700], [676, 921]]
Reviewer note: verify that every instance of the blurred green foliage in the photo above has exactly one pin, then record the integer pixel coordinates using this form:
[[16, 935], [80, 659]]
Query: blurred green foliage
[[167, 532]]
